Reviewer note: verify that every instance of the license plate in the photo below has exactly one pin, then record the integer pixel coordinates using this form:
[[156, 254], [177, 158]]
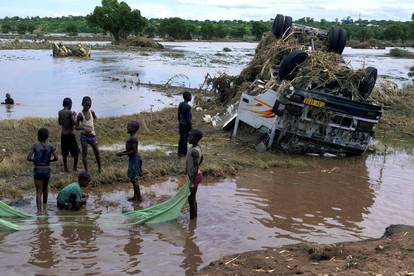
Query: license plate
[[313, 102]]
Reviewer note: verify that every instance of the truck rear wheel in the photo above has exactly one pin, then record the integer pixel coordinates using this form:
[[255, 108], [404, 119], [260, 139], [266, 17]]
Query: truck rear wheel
[[278, 25], [287, 26], [368, 82], [290, 63], [336, 40]]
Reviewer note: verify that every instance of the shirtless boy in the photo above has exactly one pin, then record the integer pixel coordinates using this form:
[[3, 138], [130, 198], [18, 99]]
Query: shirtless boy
[[134, 164], [67, 120]]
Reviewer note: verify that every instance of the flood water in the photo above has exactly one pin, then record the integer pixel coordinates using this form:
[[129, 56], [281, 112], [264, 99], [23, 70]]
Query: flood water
[[339, 200], [38, 82]]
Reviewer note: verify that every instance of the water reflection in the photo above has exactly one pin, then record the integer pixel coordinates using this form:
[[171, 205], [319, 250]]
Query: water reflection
[[133, 249], [78, 244], [192, 252], [42, 253], [321, 204]]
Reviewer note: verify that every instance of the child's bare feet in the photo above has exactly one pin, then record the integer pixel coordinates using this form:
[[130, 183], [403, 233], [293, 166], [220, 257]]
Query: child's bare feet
[[134, 198]]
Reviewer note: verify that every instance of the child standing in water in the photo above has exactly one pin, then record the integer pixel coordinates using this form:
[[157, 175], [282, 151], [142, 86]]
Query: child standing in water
[[41, 156], [85, 122], [67, 120], [134, 164], [9, 100], [193, 162]]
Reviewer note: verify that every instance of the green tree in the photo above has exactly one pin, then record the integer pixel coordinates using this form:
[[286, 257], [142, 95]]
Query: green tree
[[363, 34], [21, 28], [411, 29], [258, 28], [220, 31], [393, 32], [117, 18], [238, 32], [150, 30], [176, 28], [6, 28], [72, 29], [31, 27], [207, 31]]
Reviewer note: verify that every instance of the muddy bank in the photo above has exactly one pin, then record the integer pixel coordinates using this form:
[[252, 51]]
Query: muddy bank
[[377, 44], [392, 254], [42, 44], [58, 37]]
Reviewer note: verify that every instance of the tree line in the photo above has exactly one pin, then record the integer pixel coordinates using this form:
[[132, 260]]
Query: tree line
[[119, 20]]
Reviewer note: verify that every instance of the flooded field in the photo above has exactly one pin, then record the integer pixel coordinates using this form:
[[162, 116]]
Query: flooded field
[[339, 200], [39, 82]]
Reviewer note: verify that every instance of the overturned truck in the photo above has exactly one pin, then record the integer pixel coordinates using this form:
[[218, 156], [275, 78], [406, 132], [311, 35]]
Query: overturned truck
[[311, 101]]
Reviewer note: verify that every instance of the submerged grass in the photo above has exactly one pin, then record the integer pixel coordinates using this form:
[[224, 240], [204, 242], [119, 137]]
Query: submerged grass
[[397, 122], [401, 53]]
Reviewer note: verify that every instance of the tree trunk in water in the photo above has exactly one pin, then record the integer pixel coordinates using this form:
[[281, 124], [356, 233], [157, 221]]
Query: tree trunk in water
[[116, 38]]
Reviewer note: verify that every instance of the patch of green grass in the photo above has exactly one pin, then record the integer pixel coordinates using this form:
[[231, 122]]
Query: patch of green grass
[[9, 191], [401, 53]]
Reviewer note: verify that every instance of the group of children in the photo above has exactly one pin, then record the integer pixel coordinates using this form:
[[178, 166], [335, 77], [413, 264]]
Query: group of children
[[71, 196]]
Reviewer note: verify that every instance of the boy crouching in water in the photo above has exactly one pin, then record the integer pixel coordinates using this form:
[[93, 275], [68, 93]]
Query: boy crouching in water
[[193, 162], [71, 196], [134, 164], [41, 155]]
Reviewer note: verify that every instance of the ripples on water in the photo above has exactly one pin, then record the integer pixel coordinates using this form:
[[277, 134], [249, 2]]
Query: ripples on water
[[340, 200]]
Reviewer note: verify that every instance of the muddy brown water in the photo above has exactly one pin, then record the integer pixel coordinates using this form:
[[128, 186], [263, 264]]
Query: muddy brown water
[[112, 78], [339, 200]]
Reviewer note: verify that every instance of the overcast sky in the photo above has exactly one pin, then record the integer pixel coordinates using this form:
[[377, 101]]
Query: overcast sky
[[223, 9]]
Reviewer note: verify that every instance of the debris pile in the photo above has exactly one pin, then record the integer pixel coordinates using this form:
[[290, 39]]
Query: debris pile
[[320, 69], [60, 50], [144, 42]]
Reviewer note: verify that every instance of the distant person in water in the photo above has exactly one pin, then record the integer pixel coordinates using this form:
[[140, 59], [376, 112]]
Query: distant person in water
[[9, 100], [135, 162], [184, 123], [193, 162], [86, 124], [71, 197], [68, 144], [41, 155]]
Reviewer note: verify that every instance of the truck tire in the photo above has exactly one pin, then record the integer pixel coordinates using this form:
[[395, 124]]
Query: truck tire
[[341, 42], [336, 40], [290, 63], [287, 26], [368, 82], [278, 25], [333, 37]]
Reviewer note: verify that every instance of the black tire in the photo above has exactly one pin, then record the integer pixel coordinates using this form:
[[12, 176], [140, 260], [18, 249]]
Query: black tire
[[336, 40], [290, 63], [341, 42], [368, 82], [287, 26], [333, 37], [278, 24]]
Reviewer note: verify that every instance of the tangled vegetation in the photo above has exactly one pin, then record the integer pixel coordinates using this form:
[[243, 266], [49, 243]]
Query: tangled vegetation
[[401, 53]]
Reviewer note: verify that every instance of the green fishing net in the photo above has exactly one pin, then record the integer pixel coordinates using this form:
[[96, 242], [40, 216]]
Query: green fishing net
[[162, 212]]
